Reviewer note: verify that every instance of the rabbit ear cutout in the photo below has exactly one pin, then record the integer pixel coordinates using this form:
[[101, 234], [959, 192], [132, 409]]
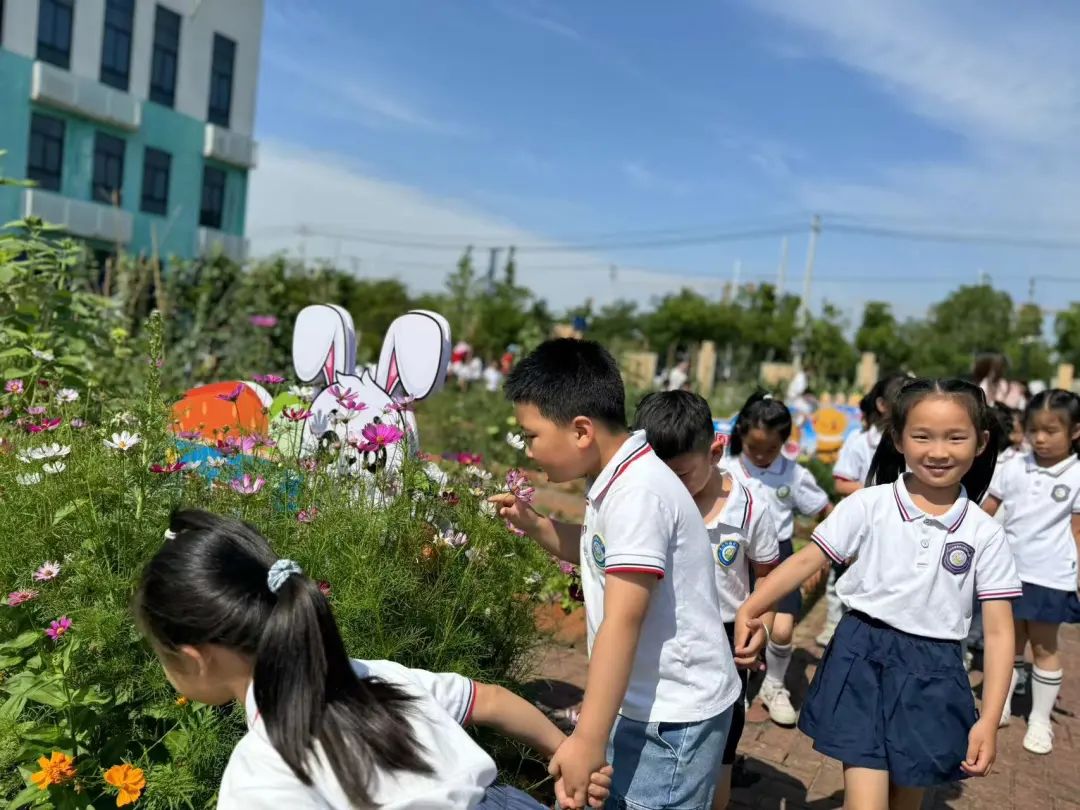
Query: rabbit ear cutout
[[324, 342], [414, 356]]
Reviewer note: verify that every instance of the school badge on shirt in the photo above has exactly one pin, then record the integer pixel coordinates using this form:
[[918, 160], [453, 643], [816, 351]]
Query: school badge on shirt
[[599, 553], [726, 552], [783, 492], [1060, 493], [957, 557]]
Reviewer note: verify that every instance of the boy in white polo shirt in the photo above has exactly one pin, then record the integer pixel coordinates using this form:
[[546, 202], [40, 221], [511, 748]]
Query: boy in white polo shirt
[[662, 681]]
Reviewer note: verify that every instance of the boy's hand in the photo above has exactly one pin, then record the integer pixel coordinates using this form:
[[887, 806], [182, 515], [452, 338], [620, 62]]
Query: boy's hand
[[750, 638], [517, 512], [982, 748], [600, 786], [573, 766]]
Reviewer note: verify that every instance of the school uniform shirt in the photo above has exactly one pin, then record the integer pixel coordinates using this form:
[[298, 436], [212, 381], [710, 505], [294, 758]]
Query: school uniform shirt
[[640, 518], [1041, 502], [742, 534], [787, 487], [853, 463], [916, 572], [257, 778]]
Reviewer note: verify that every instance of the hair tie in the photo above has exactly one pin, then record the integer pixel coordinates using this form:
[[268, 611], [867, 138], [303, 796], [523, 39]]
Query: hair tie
[[170, 534], [281, 571], [767, 397]]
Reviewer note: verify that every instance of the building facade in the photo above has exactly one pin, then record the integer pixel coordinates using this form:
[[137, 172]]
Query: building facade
[[133, 117]]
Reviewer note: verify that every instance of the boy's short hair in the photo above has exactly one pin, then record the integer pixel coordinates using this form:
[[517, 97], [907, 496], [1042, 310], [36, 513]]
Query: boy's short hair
[[566, 378], [675, 422]]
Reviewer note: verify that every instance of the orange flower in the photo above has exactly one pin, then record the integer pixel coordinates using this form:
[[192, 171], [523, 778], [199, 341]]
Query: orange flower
[[181, 701], [55, 770], [130, 781]]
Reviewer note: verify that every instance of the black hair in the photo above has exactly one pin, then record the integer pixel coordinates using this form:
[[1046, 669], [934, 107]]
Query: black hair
[[888, 463], [566, 378], [990, 366], [208, 585], [675, 422], [761, 410], [1005, 417], [886, 388], [1063, 402]]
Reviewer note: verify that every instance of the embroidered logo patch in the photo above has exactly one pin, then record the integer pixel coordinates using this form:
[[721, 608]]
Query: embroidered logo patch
[[783, 492], [957, 557], [1060, 493], [599, 553], [726, 552]]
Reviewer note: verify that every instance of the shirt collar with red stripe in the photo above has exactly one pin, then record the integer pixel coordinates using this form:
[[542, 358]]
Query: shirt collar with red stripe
[[634, 448], [909, 512]]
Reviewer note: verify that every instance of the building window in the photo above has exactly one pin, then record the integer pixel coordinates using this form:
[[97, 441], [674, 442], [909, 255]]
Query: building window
[[166, 53], [211, 212], [221, 80], [46, 162], [54, 32], [108, 168], [116, 43], [155, 181]]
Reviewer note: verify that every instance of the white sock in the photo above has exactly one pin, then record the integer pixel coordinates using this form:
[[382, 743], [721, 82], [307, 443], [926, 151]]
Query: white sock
[[777, 660], [1009, 694], [1044, 691]]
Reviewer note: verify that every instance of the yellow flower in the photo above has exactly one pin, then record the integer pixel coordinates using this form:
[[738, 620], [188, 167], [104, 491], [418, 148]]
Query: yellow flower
[[181, 701], [55, 770], [130, 781]]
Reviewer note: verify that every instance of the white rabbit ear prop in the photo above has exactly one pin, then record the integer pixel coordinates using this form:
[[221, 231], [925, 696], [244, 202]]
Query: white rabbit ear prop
[[415, 355], [324, 342]]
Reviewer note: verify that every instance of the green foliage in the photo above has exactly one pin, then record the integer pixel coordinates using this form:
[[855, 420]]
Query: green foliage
[[880, 333]]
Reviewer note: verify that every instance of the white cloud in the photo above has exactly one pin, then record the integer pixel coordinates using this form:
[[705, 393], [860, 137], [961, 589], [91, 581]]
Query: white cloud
[[646, 179], [296, 188]]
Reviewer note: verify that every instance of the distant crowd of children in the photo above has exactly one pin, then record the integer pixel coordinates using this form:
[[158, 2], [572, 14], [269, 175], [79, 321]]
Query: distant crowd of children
[[952, 508]]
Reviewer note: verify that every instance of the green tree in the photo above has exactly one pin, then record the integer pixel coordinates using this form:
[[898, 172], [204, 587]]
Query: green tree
[[971, 319], [827, 350], [1067, 330], [881, 334], [1028, 351], [617, 323]]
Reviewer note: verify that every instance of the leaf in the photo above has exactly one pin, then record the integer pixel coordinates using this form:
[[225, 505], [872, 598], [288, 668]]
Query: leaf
[[30, 796], [22, 641], [12, 373], [67, 509], [28, 686], [18, 351]]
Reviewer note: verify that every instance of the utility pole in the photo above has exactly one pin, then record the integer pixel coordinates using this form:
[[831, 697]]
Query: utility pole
[[781, 271], [1031, 289], [492, 261], [803, 318]]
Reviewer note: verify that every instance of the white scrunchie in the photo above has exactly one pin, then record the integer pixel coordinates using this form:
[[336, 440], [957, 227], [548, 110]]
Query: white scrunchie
[[281, 571]]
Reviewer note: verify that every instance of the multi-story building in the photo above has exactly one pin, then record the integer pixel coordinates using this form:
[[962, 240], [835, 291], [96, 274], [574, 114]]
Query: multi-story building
[[133, 117]]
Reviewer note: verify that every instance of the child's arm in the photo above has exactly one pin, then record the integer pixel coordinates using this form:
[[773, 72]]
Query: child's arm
[[1076, 538], [761, 570], [554, 536], [990, 505], [845, 487], [999, 645], [626, 599], [513, 716]]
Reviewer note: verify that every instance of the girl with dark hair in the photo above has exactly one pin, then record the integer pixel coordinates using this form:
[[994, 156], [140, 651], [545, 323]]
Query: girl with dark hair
[[890, 698], [230, 621], [761, 429], [1040, 491]]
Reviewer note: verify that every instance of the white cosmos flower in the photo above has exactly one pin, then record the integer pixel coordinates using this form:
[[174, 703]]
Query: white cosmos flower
[[67, 395], [29, 479], [304, 392], [123, 441], [47, 451], [25, 457], [54, 468], [478, 472], [515, 440], [488, 508], [216, 462], [47, 356]]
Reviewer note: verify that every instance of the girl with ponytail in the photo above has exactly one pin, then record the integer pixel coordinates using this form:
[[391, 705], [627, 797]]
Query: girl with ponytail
[[230, 621]]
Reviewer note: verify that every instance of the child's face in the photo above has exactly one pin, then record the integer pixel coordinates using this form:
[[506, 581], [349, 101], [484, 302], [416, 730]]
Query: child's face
[[762, 446], [940, 442], [564, 452], [1016, 435], [193, 674], [1050, 436], [694, 469]]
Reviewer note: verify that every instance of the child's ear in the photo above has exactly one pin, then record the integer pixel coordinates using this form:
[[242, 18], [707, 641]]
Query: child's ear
[[984, 442], [716, 451], [584, 431], [1076, 432], [191, 659]]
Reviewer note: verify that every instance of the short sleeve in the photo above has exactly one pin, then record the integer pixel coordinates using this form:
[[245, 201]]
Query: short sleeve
[[1076, 499], [849, 464], [764, 544], [810, 498], [455, 693], [1001, 483], [637, 530], [841, 533], [995, 571]]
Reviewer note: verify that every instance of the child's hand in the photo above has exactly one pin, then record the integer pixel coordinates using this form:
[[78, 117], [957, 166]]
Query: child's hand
[[573, 767], [517, 512], [750, 638], [982, 748], [600, 786]]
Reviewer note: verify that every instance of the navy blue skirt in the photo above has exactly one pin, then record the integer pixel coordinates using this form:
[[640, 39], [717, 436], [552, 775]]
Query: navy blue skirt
[[1049, 605], [891, 701]]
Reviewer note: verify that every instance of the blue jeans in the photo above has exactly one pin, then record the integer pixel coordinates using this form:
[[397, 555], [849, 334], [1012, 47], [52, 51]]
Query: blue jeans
[[666, 766], [501, 797]]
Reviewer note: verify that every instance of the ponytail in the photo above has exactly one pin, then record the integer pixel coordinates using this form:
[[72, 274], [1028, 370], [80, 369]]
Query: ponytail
[[208, 584], [1064, 402], [761, 410]]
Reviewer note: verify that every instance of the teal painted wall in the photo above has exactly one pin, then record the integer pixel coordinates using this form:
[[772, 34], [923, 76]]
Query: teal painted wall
[[162, 128]]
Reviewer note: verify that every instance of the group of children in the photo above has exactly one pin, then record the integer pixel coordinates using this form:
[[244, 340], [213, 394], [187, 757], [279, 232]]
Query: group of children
[[679, 538]]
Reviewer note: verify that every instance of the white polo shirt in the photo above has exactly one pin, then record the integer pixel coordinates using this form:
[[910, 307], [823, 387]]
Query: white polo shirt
[[853, 463], [257, 778], [1040, 503], [743, 533], [640, 518], [916, 572], [787, 487]]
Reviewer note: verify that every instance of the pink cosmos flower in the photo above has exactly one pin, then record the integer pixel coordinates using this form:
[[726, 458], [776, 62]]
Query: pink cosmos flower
[[36, 410], [259, 440], [77, 423], [189, 435], [399, 405], [518, 483], [308, 464], [268, 379], [18, 597], [246, 485], [297, 414], [263, 321], [57, 628], [227, 447], [470, 459], [166, 469], [47, 571], [308, 515], [380, 437], [13, 387], [454, 539], [50, 424], [569, 569], [5, 412], [233, 395], [324, 586]]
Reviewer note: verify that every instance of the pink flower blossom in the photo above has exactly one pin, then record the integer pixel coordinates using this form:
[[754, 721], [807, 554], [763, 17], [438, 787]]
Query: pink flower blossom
[[13, 387], [228, 447], [263, 321], [308, 464], [569, 569], [297, 414], [189, 435], [260, 440], [50, 424], [347, 399], [454, 539], [77, 423], [399, 405], [57, 627], [324, 586], [268, 379], [517, 482], [5, 412], [246, 485], [379, 437], [469, 459], [18, 597], [167, 469], [514, 530], [308, 515], [36, 410], [47, 571], [233, 395]]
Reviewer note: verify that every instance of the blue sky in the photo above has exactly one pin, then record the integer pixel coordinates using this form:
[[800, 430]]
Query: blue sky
[[550, 123]]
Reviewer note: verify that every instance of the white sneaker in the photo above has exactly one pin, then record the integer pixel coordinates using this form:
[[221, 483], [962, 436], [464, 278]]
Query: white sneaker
[[825, 636], [969, 659], [1039, 738], [777, 700]]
